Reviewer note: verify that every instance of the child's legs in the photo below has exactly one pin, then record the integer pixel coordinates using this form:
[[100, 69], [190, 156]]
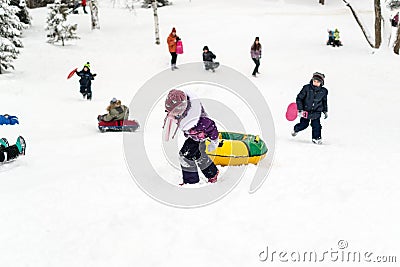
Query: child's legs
[[188, 154], [205, 164], [303, 124], [316, 128], [11, 153], [83, 90], [89, 92]]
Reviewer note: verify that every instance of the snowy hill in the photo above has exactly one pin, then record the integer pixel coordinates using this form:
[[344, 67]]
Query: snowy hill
[[72, 202]]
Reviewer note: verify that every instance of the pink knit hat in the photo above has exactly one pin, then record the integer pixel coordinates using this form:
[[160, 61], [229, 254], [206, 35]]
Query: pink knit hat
[[175, 106], [176, 102]]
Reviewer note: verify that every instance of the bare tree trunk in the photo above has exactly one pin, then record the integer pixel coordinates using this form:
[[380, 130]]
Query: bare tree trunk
[[322, 2], [94, 12], [397, 42], [378, 23], [359, 23], [156, 26]]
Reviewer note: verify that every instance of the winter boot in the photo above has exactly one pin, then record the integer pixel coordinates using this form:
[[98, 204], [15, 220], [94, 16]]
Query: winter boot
[[294, 133], [175, 67], [21, 145], [317, 141], [172, 67], [213, 179], [3, 143]]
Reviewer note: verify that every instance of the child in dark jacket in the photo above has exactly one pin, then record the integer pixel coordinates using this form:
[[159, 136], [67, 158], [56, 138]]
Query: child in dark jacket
[[86, 81], [208, 59], [311, 102], [186, 110]]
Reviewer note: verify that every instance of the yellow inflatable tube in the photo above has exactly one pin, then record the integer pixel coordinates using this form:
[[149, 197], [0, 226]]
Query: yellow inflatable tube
[[238, 149]]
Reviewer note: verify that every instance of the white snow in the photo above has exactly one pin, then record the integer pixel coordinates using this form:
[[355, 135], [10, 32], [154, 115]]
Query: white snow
[[72, 202]]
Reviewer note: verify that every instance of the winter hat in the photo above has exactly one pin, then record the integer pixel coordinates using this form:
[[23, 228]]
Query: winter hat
[[87, 65], [173, 29], [205, 48], [319, 77], [176, 101], [113, 101], [257, 39]]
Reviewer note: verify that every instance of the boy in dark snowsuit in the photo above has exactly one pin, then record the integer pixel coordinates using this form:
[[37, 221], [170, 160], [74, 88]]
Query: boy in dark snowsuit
[[9, 153], [86, 81], [208, 59], [311, 102]]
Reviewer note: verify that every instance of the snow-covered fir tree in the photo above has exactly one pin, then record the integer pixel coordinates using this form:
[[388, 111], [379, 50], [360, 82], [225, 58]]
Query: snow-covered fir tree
[[160, 3], [10, 26], [393, 4], [10, 33], [23, 13], [8, 53], [58, 29]]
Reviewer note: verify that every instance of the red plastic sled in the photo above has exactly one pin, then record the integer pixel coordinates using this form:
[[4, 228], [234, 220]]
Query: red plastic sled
[[291, 112], [72, 73], [118, 126]]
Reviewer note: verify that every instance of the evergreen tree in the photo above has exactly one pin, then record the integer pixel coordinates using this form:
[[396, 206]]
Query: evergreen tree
[[23, 13], [58, 29], [160, 3], [10, 32], [8, 53], [10, 27], [393, 4]]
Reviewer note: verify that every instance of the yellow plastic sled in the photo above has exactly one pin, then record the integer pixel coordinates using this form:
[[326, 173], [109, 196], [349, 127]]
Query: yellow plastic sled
[[238, 149]]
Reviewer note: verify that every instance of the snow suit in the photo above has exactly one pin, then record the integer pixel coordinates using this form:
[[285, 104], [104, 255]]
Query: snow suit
[[171, 41], [255, 53], [8, 120], [395, 20], [197, 127], [314, 100], [331, 38], [336, 36], [8, 153], [116, 112], [86, 83], [208, 59]]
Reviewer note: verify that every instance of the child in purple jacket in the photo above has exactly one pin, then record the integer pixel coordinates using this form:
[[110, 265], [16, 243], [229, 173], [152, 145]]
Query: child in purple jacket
[[186, 110], [255, 53]]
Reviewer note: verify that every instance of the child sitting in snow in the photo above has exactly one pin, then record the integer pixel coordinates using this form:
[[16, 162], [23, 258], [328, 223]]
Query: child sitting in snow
[[9, 153], [331, 38], [86, 81], [8, 119], [186, 110], [116, 111], [336, 37], [208, 59]]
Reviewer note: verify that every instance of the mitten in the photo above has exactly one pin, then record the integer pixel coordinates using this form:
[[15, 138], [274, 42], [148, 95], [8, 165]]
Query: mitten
[[213, 145], [300, 113], [325, 115]]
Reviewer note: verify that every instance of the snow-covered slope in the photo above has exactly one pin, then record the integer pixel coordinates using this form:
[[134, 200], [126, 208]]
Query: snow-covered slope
[[72, 202]]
